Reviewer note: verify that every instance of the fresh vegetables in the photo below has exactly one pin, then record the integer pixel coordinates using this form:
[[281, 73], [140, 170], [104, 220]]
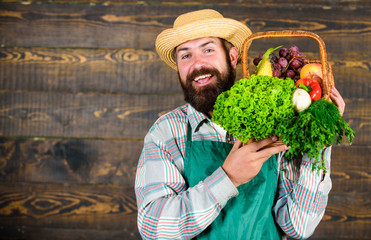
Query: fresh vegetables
[[253, 107], [271, 104], [314, 128], [262, 106], [301, 99], [312, 86]]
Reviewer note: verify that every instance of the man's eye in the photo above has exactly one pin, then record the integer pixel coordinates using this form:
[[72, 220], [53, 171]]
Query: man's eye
[[209, 50], [185, 56]]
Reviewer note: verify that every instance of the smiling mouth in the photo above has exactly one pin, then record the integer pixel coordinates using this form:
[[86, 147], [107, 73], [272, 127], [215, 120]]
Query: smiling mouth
[[203, 79]]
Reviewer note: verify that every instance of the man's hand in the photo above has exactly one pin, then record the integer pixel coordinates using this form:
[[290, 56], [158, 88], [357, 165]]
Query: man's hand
[[337, 99], [243, 163]]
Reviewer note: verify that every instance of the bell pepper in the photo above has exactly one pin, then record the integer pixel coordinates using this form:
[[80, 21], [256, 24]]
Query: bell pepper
[[311, 86]]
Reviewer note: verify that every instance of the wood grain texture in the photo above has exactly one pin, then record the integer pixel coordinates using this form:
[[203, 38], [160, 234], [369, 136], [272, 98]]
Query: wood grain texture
[[85, 70], [348, 216], [68, 160], [84, 161], [82, 115], [114, 116], [43, 233], [92, 208], [323, 3], [351, 169], [136, 71], [136, 26], [30, 208], [81, 84]]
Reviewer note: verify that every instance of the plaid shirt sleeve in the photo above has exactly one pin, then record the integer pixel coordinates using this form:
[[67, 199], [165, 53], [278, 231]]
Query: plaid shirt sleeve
[[302, 196], [167, 209]]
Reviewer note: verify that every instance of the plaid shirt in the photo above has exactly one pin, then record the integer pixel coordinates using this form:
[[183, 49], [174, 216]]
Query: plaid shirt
[[167, 209]]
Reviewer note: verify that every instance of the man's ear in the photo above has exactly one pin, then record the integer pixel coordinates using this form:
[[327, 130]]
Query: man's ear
[[233, 55]]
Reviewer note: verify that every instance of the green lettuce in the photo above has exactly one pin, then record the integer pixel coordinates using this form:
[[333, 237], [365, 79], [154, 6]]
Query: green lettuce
[[254, 107]]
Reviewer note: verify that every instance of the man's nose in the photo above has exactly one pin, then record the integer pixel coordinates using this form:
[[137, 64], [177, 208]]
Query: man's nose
[[199, 61]]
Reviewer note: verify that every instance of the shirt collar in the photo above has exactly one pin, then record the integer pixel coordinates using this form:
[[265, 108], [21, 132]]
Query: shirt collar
[[195, 117]]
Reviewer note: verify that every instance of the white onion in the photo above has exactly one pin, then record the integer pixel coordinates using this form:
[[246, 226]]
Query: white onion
[[301, 99]]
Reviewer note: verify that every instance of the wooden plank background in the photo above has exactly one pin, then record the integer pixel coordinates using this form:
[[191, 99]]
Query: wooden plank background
[[80, 85]]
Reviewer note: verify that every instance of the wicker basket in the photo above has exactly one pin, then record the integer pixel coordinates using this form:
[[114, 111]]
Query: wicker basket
[[327, 77]]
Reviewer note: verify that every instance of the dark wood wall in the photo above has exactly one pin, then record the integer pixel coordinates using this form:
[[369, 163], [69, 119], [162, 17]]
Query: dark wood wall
[[80, 85]]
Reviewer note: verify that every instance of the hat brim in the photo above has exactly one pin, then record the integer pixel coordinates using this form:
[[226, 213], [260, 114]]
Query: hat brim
[[231, 30]]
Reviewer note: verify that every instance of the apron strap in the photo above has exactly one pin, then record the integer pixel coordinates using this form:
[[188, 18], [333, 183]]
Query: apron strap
[[189, 132]]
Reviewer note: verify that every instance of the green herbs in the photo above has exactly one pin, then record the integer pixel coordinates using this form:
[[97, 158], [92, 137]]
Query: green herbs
[[318, 126], [253, 108]]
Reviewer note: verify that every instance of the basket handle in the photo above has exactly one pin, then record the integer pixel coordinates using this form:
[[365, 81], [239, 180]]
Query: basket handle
[[327, 78]]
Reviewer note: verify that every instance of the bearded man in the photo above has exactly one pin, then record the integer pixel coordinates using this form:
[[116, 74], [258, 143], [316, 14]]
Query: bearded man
[[193, 179]]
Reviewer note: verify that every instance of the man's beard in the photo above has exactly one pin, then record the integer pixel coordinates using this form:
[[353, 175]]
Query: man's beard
[[203, 98]]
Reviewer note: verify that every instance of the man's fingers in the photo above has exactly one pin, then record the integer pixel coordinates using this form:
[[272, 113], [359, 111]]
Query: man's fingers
[[259, 145], [265, 142], [236, 145], [267, 152], [243, 163], [338, 100], [250, 141]]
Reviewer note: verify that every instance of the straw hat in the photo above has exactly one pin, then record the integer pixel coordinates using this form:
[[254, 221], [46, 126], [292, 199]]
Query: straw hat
[[198, 24]]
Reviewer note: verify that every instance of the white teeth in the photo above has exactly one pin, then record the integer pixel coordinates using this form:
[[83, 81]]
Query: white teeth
[[202, 76]]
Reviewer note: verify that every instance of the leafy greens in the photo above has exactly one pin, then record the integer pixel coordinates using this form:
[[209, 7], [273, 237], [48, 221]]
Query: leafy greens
[[253, 107], [262, 107], [318, 126]]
